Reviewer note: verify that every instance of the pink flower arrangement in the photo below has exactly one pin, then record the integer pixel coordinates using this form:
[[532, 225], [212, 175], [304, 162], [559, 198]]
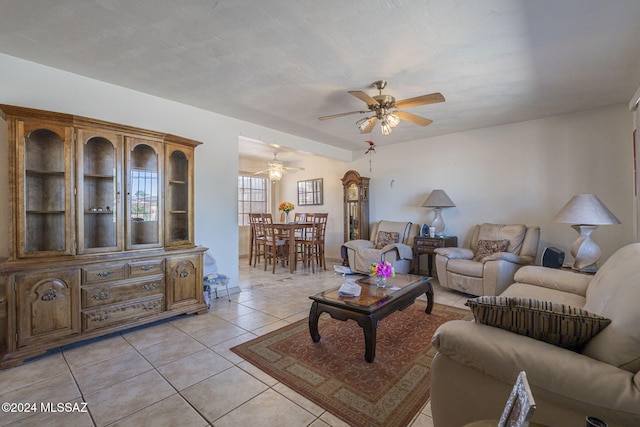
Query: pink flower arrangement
[[383, 269]]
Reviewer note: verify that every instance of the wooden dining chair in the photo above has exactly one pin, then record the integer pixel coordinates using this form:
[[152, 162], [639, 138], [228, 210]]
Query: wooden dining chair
[[311, 245], [257, 238], [275, 245]]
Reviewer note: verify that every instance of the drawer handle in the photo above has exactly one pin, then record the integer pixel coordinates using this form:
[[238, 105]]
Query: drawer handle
[[150, 307], [105, 273], [49, 295], [101, 295], [101, 318], [146, 267], [150, 286]]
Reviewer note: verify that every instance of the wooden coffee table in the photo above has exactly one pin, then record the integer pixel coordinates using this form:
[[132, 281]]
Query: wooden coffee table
[[373, 305]]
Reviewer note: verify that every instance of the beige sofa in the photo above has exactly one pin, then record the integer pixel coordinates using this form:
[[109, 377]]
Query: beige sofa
[[362, 253], [467, 270], [476, 365]]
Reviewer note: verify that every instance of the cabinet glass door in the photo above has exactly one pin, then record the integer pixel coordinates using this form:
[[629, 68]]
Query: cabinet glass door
[[144, 219], [99, 196], [44, 216], [353, 211], [178, 202]]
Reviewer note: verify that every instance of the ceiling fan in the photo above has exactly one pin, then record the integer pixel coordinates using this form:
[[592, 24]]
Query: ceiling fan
[[276, 168], [385, 109]]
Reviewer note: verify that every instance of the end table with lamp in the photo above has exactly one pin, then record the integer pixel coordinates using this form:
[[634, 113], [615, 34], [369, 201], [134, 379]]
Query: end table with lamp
[[424, 245]]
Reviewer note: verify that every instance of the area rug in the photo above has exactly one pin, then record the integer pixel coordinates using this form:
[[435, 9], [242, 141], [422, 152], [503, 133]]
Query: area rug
[[334, 375]]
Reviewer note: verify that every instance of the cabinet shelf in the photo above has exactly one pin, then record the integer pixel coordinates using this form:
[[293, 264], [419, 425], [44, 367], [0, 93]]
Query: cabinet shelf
[[96, 176], [45, 212], [40, 172]]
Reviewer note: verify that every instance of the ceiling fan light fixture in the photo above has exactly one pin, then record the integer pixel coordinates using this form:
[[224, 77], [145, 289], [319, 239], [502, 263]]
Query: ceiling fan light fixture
[[385, 127], [363, 123], [275, 171], [393, 120]]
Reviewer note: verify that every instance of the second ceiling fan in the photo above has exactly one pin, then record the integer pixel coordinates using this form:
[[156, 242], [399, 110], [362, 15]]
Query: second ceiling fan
[[385, 109]]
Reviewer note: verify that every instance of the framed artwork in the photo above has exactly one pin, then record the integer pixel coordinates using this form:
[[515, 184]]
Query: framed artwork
[[520, 405], [310, 192]]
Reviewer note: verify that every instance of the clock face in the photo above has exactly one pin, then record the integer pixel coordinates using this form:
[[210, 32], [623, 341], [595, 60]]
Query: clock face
[[352, 192]]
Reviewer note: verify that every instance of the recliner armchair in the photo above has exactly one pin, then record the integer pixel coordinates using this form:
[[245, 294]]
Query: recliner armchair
[[496, 252], [390, 241]]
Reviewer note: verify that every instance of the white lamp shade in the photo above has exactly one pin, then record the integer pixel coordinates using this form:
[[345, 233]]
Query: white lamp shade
[[585, 209], [438, 199]]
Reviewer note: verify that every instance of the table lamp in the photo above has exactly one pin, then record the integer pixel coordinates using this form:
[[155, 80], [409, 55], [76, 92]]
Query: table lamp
[[586, 212], [438, 200]]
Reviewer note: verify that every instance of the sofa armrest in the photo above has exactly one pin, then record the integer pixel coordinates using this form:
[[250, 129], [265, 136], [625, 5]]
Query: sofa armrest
[[453, 253], [561, 280], [509, 257], [554, 372], [358, 244], [404, 251]]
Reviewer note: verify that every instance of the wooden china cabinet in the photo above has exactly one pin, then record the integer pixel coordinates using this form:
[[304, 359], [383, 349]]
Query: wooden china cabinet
[[101, 231]]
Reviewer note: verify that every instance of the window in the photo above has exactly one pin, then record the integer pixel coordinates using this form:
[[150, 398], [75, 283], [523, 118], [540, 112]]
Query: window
[[310, 192], [252, 197]]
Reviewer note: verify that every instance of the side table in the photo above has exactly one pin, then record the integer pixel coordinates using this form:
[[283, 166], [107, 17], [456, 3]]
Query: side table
[[423, 245]]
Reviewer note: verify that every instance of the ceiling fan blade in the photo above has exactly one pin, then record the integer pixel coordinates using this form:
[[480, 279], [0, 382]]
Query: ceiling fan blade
[[420, 121], [342, 114], [370, 125], [420, 100], [262, 171], [292, 168], [364, 97]]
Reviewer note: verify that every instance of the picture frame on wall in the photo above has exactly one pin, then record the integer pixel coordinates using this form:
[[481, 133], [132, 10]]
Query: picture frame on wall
[[310, 192]]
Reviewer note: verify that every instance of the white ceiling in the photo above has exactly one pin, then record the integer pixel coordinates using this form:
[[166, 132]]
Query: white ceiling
[[282, 64]]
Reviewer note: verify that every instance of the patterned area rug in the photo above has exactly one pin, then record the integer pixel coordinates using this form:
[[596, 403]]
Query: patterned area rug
[[333, 373]]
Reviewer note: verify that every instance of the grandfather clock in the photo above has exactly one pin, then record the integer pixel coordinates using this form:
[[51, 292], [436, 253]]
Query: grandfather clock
[[356, 206]]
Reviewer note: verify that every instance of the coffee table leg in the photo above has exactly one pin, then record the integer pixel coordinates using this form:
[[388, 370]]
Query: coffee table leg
[[314, 315], [429, 302], [369, 326]]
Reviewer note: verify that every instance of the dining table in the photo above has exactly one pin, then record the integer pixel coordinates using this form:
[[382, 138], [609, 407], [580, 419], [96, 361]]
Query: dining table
[[287, 231]]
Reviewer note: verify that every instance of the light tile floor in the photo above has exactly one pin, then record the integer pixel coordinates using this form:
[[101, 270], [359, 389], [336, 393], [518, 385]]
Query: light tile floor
[[181, 371]]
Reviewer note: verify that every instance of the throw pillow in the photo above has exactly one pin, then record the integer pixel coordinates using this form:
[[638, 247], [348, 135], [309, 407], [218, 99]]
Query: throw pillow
[[488, 247], [386, 238], [558, 324]]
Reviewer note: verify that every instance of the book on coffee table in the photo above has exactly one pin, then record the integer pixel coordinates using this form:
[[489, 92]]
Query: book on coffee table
[[349, 289]]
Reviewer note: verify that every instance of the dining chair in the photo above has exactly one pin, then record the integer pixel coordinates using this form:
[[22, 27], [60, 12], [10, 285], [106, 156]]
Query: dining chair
[[311, 245], [257, 238], [275, 245]]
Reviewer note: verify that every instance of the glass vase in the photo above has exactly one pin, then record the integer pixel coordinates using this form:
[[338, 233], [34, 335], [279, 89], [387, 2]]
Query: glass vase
[[381, 281]]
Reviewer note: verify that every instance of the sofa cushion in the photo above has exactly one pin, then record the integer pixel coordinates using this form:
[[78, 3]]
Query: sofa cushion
[[558, 324], [514, 233], [488, 247], [402, 228], [526, 290], [386, 238]]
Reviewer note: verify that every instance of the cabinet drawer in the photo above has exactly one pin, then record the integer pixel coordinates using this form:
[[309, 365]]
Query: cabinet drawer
[[120, 313], [103, 273], [95, 296], [429, 243], [145, 268]]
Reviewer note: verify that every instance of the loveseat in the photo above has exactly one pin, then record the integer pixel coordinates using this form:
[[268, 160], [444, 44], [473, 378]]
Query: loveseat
[[476, 364], [390, 241]]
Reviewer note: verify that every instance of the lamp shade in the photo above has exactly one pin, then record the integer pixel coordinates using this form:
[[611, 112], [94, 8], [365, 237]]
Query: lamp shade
[[438, 199], [585, 209]]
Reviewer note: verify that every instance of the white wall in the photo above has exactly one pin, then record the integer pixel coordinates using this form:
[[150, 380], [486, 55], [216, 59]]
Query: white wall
[[518, 173], [522, 172], [32, 85]]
